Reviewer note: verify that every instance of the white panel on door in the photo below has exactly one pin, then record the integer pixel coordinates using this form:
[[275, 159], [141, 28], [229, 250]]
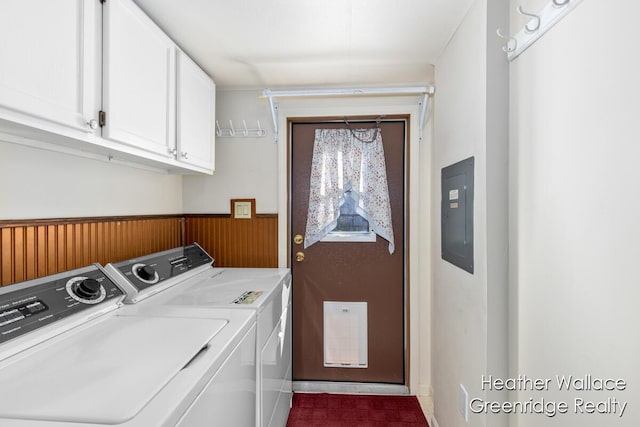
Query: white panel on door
[[345, 334], [49, 51], [139, 79]]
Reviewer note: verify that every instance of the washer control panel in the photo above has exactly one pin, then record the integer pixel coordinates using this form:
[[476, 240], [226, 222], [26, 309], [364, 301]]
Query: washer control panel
[[147, 271], [27, 306]]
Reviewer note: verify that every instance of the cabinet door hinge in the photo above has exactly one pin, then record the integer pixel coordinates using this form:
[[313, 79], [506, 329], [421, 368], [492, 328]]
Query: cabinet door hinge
[[102, 118]]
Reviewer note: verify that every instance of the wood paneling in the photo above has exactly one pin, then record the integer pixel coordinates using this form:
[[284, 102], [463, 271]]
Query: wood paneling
[[236, 242], [36, 248], [30, 249]]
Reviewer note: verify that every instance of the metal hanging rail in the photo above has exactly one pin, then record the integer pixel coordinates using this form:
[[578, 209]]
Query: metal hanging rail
[[425, 91]]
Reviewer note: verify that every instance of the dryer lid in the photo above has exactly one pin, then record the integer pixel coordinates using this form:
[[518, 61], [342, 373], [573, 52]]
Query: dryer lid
[[103, 374], [233, 288]]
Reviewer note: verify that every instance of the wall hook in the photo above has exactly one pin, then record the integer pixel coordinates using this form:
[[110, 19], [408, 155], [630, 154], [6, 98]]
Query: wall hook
[[245, 131], [560, 3], [260, 131], [512, 43], [532, 15]]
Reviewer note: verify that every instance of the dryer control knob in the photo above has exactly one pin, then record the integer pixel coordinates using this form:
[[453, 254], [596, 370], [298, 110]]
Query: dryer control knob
[[146, 273], [88, 289]]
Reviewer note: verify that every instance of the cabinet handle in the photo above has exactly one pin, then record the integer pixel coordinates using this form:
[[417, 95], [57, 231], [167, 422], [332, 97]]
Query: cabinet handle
[[173, 152], [93, 124], [185, 155]]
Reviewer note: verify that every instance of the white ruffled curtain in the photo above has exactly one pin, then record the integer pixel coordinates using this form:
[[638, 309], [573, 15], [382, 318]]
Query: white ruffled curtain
[[343, 162]]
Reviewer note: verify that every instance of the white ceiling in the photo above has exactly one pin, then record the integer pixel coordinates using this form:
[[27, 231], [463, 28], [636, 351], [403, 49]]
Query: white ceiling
[[311, 43]]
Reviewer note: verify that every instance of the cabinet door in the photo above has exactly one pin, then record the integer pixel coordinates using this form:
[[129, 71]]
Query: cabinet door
[[138, 80], [49, 51], [195, 115]]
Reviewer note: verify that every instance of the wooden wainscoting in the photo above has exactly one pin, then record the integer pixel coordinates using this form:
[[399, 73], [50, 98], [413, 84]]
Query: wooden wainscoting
[[236, 242], [35, 248]]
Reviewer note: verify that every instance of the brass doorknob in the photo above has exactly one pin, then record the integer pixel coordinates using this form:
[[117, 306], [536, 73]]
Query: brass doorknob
[[299, 256], [297, 239]]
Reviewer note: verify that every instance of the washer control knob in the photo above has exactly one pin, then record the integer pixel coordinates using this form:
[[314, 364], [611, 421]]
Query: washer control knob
[[88, 289], [146, 273]]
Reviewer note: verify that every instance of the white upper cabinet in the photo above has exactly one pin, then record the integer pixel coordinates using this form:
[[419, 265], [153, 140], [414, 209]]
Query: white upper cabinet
[[102, 80], [195, 114], [138, 80], [50, 63]]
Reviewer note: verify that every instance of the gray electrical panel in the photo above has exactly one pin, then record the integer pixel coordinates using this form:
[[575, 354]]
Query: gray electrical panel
[[457, 214]]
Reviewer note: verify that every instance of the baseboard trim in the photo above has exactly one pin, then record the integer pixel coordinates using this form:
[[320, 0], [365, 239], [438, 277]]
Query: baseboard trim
[[349, 388], [427, 404], [433, 422]]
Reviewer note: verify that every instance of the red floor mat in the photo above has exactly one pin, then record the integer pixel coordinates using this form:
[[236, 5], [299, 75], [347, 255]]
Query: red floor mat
[[346, 410]]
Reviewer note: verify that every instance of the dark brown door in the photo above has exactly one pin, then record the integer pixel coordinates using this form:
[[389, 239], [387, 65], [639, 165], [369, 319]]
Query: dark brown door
[[350, 272]]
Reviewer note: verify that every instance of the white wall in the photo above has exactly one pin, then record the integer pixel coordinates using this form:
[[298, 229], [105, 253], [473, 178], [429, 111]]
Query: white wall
[[575, 145], [497, 169], [459, 325], [246, 168], [469, 326], [35, 183]]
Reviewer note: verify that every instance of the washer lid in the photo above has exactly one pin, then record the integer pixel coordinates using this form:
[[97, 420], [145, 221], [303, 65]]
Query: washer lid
[[102, 374]]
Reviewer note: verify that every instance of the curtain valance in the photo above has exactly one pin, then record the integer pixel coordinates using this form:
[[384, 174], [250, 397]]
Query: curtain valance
[[348, 160]]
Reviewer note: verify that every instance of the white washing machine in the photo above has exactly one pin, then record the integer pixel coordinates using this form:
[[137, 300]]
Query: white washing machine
[[265, 292], [71, 357]]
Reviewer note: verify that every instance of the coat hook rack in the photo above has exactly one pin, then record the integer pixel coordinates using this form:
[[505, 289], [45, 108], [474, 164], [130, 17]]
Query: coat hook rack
[[535, 20], [512, 43], [245, 131], [536, 27]]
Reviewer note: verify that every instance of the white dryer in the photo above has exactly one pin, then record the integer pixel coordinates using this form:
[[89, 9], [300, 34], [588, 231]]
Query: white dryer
[[265, 292], [71, 357], [268, 292]]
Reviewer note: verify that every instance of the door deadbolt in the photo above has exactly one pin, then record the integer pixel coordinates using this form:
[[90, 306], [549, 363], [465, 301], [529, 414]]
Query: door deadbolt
[[300, 256], [297, 239]]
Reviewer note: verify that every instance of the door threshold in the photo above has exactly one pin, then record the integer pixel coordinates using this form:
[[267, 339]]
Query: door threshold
[[349, 388]]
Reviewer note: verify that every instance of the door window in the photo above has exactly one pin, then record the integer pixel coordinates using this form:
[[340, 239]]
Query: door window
[[350, 226], [348, 168]]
